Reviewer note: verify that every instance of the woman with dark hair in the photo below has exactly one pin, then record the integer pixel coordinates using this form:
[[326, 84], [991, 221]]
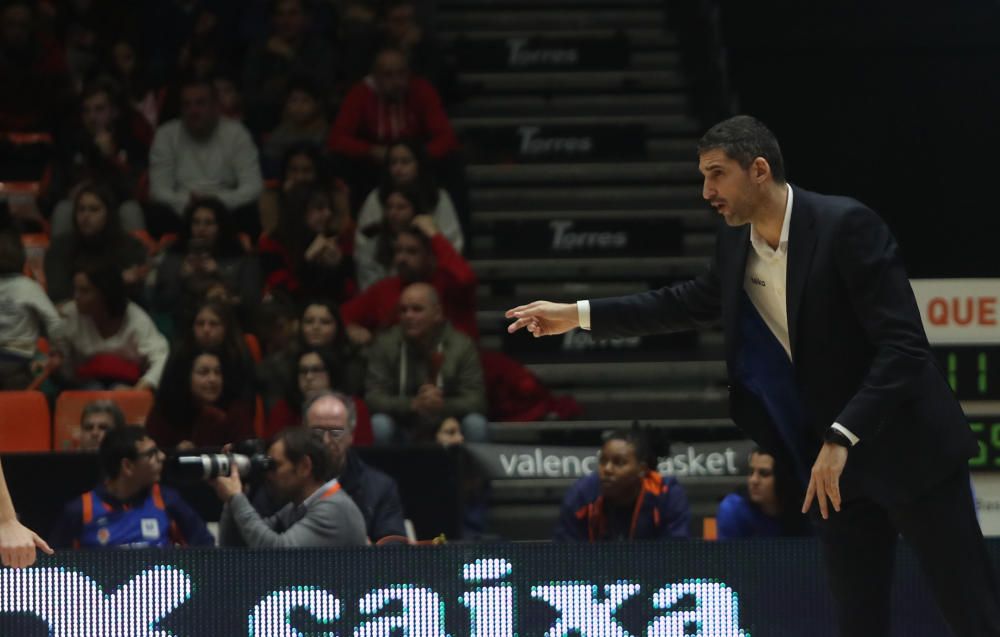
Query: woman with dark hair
[[767, 507], [111, 341], [301, 164], [208, 244], [309, 252], [200, 406], [407, 166], [374, 261], [97, 237], [626, 498]]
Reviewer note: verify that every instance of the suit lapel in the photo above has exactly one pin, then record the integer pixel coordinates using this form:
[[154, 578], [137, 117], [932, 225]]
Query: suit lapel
[[801, 247], [736, 248]]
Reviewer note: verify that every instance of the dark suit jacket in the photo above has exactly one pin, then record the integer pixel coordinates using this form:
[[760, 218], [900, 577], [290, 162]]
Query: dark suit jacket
[[860, 354]]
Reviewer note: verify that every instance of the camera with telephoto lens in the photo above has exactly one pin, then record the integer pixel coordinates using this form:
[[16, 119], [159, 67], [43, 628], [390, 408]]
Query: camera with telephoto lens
[[248, 458]]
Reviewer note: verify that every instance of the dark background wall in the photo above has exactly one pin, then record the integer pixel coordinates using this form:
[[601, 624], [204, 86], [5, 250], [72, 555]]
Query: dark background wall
[[894, 103]]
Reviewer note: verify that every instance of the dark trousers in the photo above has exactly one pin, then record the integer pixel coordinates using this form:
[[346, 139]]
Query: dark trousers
[[859, 545]]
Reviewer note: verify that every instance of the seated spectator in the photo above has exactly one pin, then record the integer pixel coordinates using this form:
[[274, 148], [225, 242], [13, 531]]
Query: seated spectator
[[25, 314], [208, 244], [403, 195], [202, 154], [98, 418], [333, 417], [385, 107], [303, 122], [230, 98], [402, 29], [200, 408], [626, 498], [292, 50], [420, 254], [319, 512], [767, 507], [35, 87], [106, 150], [309, 252], [111, 342], [97, 237], [302, 164], [130, 509], [316, 371], [423, 371], [127, 68]]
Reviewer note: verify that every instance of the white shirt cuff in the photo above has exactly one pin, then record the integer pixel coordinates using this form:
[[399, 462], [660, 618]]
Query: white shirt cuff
[[847, 432], [583, 313]]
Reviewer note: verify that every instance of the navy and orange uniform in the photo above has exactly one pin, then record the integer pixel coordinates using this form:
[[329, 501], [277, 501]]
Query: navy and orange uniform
[[155, 517], [660, 511]]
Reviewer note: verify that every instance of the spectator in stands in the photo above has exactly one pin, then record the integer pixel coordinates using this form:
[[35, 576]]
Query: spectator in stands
[[333, 417], [98, 418], [208, 244], [421, 254], [323, 328], [97, 237], [112, 342], [105, 149], [25, 314], [34, 80], [626, 498], [308, 254], [767, 507], [423, 371], [129, 509], [385, 107], [301, 164], [201, 408], [127, 68], [292, 51], [303, 122], [211, 327], [319, 512], [402, 29], [408, 177], [202, 155]]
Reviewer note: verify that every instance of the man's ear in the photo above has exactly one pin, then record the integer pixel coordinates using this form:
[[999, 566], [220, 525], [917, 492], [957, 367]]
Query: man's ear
[[304, 467], [760, 170]]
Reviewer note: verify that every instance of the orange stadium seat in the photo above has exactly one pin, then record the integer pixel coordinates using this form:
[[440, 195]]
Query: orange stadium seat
[[254, 346], [35, 247], [709, 529], [135, 405], [25, 424]]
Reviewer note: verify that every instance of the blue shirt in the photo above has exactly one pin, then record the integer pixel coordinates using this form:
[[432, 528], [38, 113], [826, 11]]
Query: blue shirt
[[739, 518]]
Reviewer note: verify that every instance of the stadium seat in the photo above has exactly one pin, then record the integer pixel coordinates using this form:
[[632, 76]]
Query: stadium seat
[[35, 247], [709, 529], [135, 405], [254, 346], [26, 425]]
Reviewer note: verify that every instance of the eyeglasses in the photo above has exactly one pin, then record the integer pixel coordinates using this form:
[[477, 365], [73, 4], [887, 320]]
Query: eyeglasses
[[305, 370], [335, 433]]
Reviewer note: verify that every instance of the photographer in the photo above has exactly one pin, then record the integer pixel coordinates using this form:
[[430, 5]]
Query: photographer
[[319, 512], [129, 509]]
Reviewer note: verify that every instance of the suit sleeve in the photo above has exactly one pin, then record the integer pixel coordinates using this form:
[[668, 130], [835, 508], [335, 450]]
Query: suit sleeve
[[687, 305], [882, 300], [387, 518]]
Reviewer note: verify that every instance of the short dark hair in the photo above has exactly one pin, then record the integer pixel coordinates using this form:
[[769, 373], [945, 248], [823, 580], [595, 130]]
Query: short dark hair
[[118, 444], [12, 255], [103, 406], [744, 138], [107, 278], [648, 443], [417, 233], [299, 443]]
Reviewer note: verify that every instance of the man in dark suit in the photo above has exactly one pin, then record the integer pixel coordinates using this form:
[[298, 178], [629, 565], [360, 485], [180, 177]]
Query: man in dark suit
[[830, 370]]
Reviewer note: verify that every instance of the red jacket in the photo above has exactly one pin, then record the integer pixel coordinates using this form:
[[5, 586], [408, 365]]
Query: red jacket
[[377, 307], [365, 119]]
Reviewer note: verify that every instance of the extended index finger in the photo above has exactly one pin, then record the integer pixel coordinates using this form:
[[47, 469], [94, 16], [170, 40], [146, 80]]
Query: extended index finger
[[522, 309]]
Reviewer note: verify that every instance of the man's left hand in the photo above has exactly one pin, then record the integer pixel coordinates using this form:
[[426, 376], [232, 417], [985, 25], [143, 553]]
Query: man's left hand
[[824, 481], [226, 487]]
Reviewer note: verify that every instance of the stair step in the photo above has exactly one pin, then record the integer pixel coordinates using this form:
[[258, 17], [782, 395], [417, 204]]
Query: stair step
[[638, 38], [562, 19], [592, 198], [649, 373], [694, 219], [573, 105], [445, 6], [554, 290], [589, 173], [655, 124], [637, 403], [645, 268], [562, 82]]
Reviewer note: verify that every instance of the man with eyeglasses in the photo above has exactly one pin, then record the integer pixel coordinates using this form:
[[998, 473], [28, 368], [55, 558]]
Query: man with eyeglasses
[[332, 416], [130, 509]]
